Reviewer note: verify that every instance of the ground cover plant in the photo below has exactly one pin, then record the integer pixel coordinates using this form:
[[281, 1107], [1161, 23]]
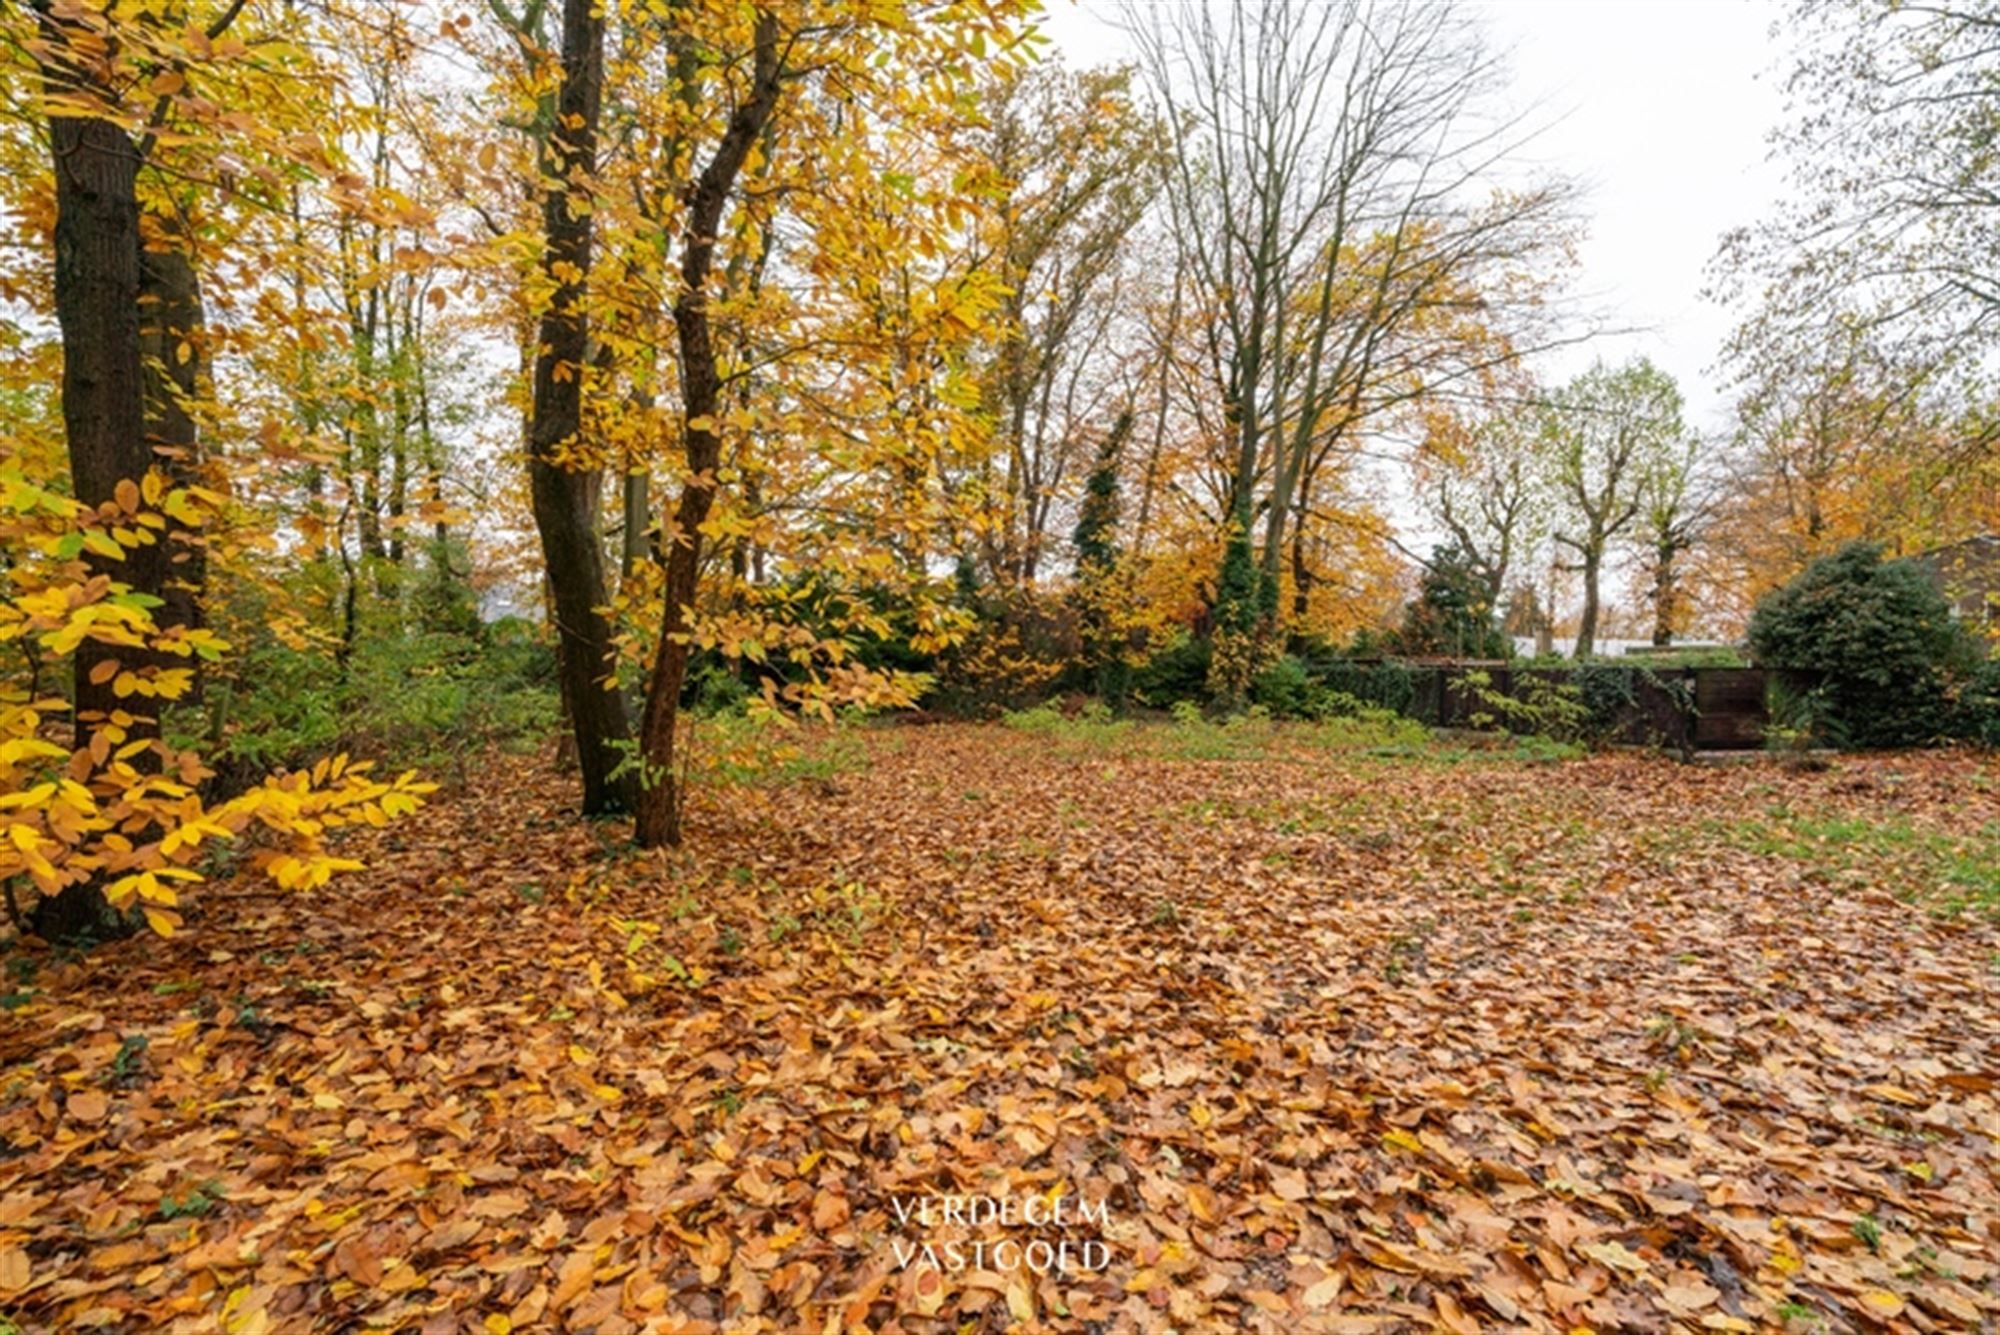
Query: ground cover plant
[[1338, 1035]]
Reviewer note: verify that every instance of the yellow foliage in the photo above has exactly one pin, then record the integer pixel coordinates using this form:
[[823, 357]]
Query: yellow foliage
[[125, 810]]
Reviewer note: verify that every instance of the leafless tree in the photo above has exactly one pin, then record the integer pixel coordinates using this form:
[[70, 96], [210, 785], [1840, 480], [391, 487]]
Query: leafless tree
[[1332, 193]]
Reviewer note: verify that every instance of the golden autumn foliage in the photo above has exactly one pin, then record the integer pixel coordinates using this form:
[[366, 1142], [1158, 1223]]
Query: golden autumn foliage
[[125, 810]]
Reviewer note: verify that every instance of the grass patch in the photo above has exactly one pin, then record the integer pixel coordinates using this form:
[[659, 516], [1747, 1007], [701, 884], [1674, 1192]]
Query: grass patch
[[1948, 872], [772, 752], [1191, 735]]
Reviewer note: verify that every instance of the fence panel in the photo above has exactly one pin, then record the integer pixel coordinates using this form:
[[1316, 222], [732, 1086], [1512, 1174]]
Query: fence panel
[[1729, 708], [1728, 703]]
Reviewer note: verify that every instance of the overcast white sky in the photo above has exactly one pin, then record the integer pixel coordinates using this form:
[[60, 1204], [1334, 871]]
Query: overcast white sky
[[1660, 108]]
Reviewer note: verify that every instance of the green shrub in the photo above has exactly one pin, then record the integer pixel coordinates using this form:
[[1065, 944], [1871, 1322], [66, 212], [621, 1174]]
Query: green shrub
[[1385, 685], [1869, 650], [413, 698], [1977, 707], [1094, 726], [1174, 672], [1453, 612], [717, 690], [1286, 690], [1607, 694], [1042, 720], [1545, 707], [1354, 726]]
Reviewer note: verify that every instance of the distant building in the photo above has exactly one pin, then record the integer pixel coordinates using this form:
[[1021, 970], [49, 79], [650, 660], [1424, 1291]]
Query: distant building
[[1607, 646], [1968, 575]]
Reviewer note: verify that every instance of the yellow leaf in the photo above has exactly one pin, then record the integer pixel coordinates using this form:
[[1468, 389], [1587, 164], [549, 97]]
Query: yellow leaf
[[15, 1270], [1322, 1294], [1883, 1302], [1614, 1255], [1020, 1300], [33, 797]]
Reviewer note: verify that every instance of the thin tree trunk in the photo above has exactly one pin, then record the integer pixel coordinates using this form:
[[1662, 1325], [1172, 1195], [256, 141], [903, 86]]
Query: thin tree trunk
[[171, 349], [403, 417], [565, 498], [1301, 572], [632, 549], [659, 820]]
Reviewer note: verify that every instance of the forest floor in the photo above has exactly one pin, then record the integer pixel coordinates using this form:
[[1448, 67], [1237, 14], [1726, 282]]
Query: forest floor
[[1323, 1031]]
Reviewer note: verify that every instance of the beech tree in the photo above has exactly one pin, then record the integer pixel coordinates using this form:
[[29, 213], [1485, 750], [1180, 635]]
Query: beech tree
[[564, 483], [105, 547]]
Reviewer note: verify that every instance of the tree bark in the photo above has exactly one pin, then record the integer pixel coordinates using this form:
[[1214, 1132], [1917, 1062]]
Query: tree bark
[[171, 349], [632, 543], [659, 819], [1586, 626], [564, 496], [1665, 593], [97, 281], [1301, 572]]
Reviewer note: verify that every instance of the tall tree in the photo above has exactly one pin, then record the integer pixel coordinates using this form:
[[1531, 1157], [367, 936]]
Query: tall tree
[[1839, 437], [563, 479], [1677, 499], [1325, 193], [1602, 434], [1101, 594], [1894, 111], [701, 400], [1077, 166], [1479, 478], [98, 275]]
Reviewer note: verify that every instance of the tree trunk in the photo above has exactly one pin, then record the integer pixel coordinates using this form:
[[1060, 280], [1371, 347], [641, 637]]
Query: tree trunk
[[97, 279], [1301, 572], [564, 497], [659, 820], [1586, 626], [171, 350], [403, 416], [1665, 592], [632, 548]]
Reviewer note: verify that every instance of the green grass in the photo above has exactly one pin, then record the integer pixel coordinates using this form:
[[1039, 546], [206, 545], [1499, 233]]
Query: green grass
[[1950, 872], [768, 753], [1190, 735]]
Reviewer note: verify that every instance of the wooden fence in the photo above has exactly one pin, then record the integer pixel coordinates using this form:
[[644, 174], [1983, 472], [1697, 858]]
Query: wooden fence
[[1684, 709]]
